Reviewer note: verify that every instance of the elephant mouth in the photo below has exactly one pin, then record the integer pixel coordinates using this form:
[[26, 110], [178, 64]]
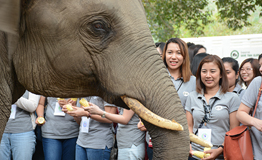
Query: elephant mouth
[[156, 120]]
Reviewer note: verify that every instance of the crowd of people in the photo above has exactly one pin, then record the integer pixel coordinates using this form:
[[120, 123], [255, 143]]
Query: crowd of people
[[216, 94]]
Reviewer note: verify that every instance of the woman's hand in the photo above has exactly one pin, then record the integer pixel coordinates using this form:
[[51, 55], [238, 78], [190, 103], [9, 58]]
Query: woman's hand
[[141, 126], [190, 151], [257, 123], [62, 102], [214, 153], [77, 112], [93, 109], [37, 122]]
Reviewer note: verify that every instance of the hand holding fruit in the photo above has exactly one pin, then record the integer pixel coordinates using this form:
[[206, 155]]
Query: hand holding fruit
[[40, 121]]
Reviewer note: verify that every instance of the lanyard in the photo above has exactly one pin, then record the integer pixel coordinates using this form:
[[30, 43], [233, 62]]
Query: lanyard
[[182, 81], [205, 116]]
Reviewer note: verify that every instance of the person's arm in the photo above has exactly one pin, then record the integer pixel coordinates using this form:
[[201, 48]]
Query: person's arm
[[190, 121], [244, 117], [78, 112], [123, 119], [40, 109], [29, 104], [233, 120]]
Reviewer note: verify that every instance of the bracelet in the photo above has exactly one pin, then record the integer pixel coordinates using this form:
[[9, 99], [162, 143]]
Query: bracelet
[[104, 115], [221, 146]]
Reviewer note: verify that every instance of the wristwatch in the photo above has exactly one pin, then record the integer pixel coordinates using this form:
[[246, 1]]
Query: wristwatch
[[221, 146], [104, 115]]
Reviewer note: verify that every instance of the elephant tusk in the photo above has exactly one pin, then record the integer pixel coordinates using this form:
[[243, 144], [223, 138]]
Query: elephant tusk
[[200, 141], [149, 116]]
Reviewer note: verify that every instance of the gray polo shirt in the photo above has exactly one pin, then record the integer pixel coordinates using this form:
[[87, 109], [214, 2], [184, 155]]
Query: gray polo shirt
[[58, 127], [183, 89], [239, 91], [222, 105], [249, 99], [100, 135], [22, 122], [129, 134]]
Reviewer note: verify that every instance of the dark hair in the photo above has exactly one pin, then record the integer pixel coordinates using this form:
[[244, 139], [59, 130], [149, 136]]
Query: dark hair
[[190, 44], [255, 65], [161, 45], [234, 65], [223, 82], [192, 51], [259, 57], [185, 67], [233, 62], [196, 60]]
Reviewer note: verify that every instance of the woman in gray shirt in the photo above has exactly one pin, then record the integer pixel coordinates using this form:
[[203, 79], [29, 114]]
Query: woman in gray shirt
[[59, 132], [232, 68], [95, 139], [18, 141], [247, 104], [176, 59], [212, 105], [130, 140]]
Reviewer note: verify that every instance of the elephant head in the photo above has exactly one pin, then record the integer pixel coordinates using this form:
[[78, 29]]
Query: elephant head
[[86, 48]]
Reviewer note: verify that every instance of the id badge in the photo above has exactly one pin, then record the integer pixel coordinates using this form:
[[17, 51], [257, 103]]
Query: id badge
[[13, 111], [58, 110], [85, 125], [205, 134]]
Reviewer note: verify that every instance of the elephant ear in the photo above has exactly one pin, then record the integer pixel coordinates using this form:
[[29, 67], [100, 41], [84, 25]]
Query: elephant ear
[[9, 16]]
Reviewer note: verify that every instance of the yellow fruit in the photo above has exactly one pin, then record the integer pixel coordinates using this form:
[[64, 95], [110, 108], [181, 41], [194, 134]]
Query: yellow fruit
[[198, 154], [74, 99], [60, 99], [84, 102], [41, 120], [69, 107], [206, 149]]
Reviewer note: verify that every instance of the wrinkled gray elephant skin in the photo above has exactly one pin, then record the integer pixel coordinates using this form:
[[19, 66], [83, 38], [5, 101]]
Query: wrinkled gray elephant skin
[[84, 48]]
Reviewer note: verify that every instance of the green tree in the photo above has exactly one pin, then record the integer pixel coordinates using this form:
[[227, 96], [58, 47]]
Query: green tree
[[167, 18]]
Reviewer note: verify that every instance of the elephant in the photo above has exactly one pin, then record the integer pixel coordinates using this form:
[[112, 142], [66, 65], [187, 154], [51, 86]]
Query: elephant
[[88, 48]]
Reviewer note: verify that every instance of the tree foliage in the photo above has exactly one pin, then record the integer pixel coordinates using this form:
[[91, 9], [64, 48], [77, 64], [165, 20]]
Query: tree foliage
[[167, 17]]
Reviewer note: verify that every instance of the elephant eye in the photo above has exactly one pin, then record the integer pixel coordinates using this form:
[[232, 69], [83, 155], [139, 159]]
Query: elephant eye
[[99, 26]]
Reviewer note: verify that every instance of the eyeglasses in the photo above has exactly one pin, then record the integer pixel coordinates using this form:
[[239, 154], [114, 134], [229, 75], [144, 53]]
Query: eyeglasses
[[246, 69], [207, 113]]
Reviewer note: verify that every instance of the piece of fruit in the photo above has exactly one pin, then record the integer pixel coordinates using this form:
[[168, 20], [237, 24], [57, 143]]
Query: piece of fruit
[[84, 102], [198, 154], [60, 99], [41, 120], [74, 99], [206, 149], [69, 107]]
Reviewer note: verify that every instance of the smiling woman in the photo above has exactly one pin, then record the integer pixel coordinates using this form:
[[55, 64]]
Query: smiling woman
[[211, 110], [176, 59], [249, 69]]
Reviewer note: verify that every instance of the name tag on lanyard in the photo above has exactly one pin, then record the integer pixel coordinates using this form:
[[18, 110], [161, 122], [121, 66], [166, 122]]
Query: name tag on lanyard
[[205, 134], [85, 124], [13, 111], [58, 110]]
